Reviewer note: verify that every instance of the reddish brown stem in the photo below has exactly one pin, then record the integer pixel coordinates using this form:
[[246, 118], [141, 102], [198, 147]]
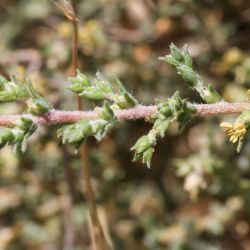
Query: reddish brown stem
[[139, 112]]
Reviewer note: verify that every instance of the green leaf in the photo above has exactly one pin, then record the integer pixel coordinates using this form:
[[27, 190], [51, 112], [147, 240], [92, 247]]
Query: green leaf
[[169, 59], [188, 74], [147, 156], [160, 127], [105, 112], [12, 91], [38, 106], [6, 136], [176, 52], [183, 62], [102, 83], [75, 133], [142, 145], [93, 94], [188, 61], [79, 83]]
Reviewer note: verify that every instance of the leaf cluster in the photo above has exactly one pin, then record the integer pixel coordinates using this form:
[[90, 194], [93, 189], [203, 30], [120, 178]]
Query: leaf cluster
[[183, 63], [12, 91], [174, 109], [114, 96], [18, 135]]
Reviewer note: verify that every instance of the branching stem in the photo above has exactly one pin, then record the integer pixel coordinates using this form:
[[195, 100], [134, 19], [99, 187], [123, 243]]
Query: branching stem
[[139, 112]]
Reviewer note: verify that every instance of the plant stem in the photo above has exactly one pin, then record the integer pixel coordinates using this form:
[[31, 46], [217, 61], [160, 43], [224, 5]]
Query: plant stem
[[75, 59], [140, 112], [97, 232]]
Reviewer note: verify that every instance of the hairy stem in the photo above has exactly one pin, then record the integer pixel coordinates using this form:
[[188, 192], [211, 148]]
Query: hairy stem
[[60, 116]]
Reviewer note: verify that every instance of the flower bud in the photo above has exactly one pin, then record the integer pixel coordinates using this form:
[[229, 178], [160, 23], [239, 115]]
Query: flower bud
[[105, 113], [79, 82], [176, 52], [125, 101], [121, 102], [20, 140], [160, 127], [76, 87], [26, 125], [24, 128], [93, 94], [11, 91], [175, 102], [183, 118], [147, 156], [71, 135], [142, 145], [38, 106], [99, 129], [188, 74], [102, 83], [97, 126], [18, 135], [188, 61], [131, 101], [164, 109], [84, 128], [6, 136], [75, 133], [106, 128], [169, 59]]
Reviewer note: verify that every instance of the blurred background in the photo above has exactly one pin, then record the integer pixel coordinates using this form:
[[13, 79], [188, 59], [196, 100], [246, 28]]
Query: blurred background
[[196, 196]]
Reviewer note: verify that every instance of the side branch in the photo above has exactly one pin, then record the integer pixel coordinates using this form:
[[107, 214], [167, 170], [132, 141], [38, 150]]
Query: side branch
[[139, 112]]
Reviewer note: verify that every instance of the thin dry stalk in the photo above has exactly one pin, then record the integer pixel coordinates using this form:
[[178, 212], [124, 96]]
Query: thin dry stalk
[[68, 224], [96, 231]]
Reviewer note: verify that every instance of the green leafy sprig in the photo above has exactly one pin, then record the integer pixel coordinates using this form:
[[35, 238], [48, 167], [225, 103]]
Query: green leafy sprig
[[174, 109], [101, 89], [36, 104], [14, 90], [78, 132], [115, 97], [18, 135], [183, 63]]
